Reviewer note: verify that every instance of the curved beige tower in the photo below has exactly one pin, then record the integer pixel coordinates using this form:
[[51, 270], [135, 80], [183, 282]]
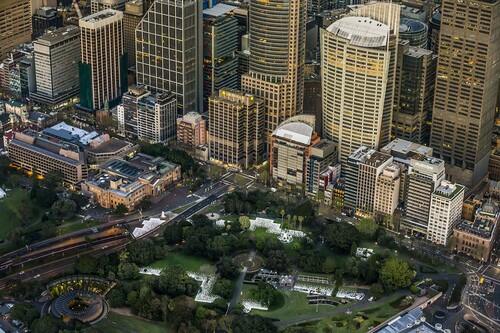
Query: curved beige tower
[[358, 71]]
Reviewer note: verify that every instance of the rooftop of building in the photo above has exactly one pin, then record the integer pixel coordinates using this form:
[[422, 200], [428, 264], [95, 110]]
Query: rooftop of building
[[48, 146], [361, 153], [110, 146], [219, 10], [136, 90], [71, 134], [158, 98], [377, 159], [489, 209], [431, 161], [298, 132], [409, 9], [58, 35], [418, 52], [436, 16], [404, 147], [122, 168], [411, 26], [147, 162], [480, 227], [101, 16], [412, 321], [361, 31], [448, 190], [36, 116], [192, 117], [15, 104], [46, 12], [127, 173]]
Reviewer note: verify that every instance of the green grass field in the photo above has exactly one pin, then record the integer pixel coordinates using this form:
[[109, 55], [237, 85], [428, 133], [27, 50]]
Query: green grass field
[[183, 208], [239, 179], [293, 304], [10, 211], [372, 316], [68, 227], [189, 263], [116, 323], [375, 316]]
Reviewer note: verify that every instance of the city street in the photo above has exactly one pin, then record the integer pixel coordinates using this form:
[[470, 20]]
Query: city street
[[101, 239]]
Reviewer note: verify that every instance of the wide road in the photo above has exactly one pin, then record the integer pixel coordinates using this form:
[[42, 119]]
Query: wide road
[[63, 264], [104, 237]]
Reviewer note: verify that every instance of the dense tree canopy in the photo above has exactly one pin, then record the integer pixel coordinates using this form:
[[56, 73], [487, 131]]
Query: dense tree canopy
[[174, 282], [25, 312], [265, 293], [173, 155], [253, 323], [396, 273], [367, 227], [121, 210], [340, 236], [63, 209]]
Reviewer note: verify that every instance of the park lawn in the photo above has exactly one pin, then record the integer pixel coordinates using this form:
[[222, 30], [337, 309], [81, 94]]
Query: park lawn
[[130, 325], [238, 179], [375, 316], [294, 304], [260, 233], [189, 263], [68, 227], [213, 209], [183, 208], [10, 216]]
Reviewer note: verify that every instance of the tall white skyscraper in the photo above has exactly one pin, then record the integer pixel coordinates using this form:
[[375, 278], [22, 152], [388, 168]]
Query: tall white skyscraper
[[358, 58]]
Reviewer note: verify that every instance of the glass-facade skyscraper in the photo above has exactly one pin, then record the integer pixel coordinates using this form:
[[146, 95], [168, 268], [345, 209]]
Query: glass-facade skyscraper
[[168, 51]]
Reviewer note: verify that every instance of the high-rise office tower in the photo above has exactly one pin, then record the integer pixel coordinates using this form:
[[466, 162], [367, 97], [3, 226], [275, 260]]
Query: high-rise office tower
[[191, 130], [44, 18], [351, 171], [168, 51], [235, 128], [277, 54], [387, 192], [358, 58], [156, 118], [415, 79], [132, 16], [414, 31], [317, 6], [57, 54], [434, 27], [127, 111], [368, 174], [425, 175], [103, 69], [220, 43], [99, 5], [445, 211], [15, 24], [466, 87]]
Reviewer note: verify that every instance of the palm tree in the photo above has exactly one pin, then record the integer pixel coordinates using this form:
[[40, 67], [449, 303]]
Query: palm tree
[[301, 219], [282, 215]]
